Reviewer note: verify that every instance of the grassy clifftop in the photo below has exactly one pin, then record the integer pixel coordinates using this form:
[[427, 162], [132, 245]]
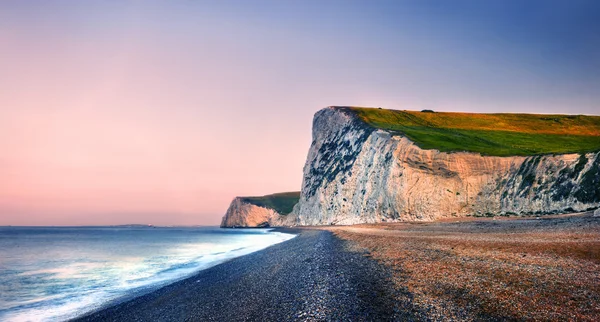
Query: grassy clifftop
[[490, 134], [283, 202]]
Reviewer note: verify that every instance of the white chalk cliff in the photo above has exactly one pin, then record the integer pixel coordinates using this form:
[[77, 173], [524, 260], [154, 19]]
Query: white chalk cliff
[[355, 173], [264, 211], [245, 214]]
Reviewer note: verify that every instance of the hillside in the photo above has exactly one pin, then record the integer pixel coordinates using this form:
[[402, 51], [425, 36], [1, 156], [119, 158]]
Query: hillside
[[489, 134], [282, 202]]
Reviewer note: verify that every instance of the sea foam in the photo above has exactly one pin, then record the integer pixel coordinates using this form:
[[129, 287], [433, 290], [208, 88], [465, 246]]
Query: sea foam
[[49, 274]]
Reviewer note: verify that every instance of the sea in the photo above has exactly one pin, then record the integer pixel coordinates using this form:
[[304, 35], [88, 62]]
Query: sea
[[58, 273]]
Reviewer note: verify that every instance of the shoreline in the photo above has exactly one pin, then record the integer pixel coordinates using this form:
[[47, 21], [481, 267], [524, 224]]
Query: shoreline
[[461, 270], [141, 291], [314, 275], [149, 290]]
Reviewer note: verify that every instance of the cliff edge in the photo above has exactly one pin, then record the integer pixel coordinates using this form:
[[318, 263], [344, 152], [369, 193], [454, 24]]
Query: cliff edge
[[371, 165]]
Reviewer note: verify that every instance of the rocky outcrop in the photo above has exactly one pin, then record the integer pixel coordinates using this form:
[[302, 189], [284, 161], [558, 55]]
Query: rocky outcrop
[[245, 214], [355, 173], [263, 211]]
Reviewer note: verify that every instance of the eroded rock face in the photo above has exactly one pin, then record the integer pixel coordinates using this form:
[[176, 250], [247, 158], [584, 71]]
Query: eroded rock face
[[245, 214], [357, 174]]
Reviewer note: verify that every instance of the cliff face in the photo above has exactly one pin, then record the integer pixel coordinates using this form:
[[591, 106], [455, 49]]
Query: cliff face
[[244, 214], [264, 211], [355, 173]]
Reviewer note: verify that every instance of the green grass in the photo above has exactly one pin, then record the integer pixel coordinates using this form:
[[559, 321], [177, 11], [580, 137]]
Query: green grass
[[283, 202], [490, 134]]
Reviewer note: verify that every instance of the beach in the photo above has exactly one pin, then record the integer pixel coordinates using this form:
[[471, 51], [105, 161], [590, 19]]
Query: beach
[[533, 269], [314, 276], [509, 269]]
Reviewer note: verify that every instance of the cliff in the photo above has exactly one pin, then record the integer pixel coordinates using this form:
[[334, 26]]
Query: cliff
[[264, 211], [369, 165]]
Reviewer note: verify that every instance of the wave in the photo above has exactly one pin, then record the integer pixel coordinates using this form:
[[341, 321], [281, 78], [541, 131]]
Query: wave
[[76, 286]]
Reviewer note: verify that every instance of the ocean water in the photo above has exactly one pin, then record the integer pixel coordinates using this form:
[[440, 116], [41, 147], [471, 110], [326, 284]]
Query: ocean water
[[57, 273]]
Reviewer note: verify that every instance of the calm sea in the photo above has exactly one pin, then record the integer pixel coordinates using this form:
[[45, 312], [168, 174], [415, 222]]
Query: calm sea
[[56, 273]]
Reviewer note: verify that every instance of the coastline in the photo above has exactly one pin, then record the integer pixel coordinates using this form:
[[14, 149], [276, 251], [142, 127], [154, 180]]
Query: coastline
[[313, 276], [61, 273], [467, 270]]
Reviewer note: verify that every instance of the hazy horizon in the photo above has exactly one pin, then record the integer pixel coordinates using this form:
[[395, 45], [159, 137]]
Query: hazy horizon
[[162, 112]]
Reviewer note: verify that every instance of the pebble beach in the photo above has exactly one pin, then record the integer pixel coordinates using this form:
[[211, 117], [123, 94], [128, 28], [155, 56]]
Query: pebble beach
[[525, 269]]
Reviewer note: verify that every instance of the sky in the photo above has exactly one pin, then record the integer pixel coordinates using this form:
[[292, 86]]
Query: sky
[[161, 112]]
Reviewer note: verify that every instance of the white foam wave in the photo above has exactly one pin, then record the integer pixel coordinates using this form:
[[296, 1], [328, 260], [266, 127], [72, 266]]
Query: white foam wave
[[96, 284]]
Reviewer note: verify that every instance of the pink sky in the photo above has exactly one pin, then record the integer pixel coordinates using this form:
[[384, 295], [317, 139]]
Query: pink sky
[[148, 112]]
